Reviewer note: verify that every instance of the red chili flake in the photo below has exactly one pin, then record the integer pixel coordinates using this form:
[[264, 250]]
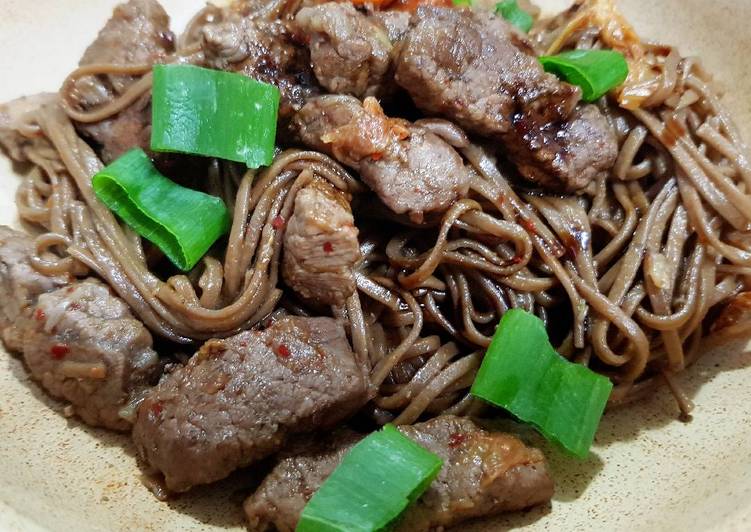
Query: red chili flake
[[571, 244], [39, 315], [501, 199], [157, 408], [517, 259], [74, 306], [328, 247], [528, 224], [283, 351], [376, 156], [673, 131], [58, 351], [278, 223], [456, 439]]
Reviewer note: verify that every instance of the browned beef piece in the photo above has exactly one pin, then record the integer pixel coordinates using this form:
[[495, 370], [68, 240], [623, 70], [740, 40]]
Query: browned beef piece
[[483, 474], [78, 340], [263, 50], [350, 52], [477, 69], [83, 345], [238, 400], [474, 68], [138, 33], [320, 245], [566, 155], [302, 469], [411, 169], [20, 284], [395, 22], [131, 128], [12, 117]]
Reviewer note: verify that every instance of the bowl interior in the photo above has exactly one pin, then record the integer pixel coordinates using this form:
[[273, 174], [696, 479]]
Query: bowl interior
[[647, 472]]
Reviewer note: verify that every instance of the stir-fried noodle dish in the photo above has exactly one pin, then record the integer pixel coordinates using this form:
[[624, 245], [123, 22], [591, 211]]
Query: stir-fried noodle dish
[[328, 241]]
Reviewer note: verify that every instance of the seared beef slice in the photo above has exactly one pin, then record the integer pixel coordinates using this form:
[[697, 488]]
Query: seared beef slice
[[13, 116], [80, 342], [483, 474], [137, 34], [320, 245], [411, 169], [20, 284], [350, 52], [476, 69], [261, 49], [83, 345], [238, 400]]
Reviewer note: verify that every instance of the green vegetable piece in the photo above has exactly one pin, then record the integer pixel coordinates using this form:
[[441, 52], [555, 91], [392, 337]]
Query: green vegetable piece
[[522, 373], [213, 113], [183, 223], [462, 3], [597, 72], [510, 10], [376, 481]]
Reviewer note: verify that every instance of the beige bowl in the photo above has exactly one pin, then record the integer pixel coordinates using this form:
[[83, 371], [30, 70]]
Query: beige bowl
[[647, 472]]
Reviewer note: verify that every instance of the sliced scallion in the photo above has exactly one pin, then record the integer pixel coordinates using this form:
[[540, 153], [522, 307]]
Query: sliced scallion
[[183, 223], [522, 373], [597, 72], [516, 16], [376, 481], [213, 113]]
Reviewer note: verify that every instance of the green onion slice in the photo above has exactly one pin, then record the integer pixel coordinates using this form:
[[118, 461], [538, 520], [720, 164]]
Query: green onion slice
[[213, 113], [376, 481], [516, 16], [462, 3], [522, 373], [597, 72], [183, 223]]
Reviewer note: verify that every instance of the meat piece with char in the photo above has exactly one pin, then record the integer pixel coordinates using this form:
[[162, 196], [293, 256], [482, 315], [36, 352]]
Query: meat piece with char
[[83, 345], [238, 400], [261, 49], [396, 24], [20, 284], [350, 52], [411, 169], [563, 156], [476, 69], [137, 34], [320, 245], [483, 474]]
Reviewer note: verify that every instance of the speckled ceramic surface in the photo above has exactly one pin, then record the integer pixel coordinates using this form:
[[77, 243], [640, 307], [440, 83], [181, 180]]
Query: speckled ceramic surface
[[647, 471]]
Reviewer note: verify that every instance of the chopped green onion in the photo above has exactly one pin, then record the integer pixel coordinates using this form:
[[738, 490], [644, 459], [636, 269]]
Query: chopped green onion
[[522, 373], [597, 72], [462, 3], [376, 481], [183, 223], [516, 16], [213, 113]]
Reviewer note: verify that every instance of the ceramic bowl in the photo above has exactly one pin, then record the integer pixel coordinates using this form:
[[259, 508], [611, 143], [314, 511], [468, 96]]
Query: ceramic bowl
[[647, 471]]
